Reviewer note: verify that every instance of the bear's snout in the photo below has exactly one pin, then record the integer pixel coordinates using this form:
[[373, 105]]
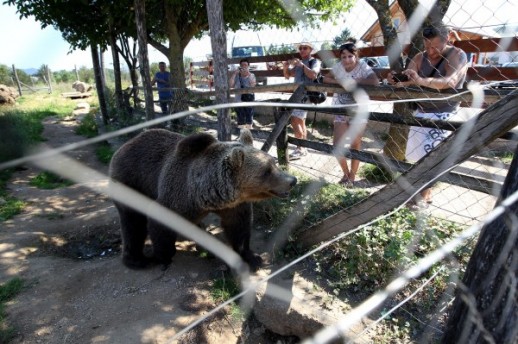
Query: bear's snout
[[283, 190]]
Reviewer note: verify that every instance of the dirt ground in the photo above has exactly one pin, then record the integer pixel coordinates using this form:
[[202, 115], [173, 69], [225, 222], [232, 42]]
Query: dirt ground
[[66, 246]]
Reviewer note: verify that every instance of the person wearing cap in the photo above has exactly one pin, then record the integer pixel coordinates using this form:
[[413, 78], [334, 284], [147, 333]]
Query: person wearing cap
[[349, 71], [303, 69]]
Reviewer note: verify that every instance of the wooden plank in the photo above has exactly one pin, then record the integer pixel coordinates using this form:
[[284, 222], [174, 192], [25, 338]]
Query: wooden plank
[[204, 64], [485, 73], [488, 45], [200, 73], [493, 122], [76, 94]]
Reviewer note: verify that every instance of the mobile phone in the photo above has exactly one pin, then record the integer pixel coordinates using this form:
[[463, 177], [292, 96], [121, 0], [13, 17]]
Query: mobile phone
[[400, 77]]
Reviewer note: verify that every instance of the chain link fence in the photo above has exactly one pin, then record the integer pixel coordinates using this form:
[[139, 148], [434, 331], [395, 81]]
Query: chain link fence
[[409, 272]]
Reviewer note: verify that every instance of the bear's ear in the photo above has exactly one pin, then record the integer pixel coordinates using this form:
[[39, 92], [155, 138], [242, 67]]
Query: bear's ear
[[237, 157], [194, 144], [246, 138]]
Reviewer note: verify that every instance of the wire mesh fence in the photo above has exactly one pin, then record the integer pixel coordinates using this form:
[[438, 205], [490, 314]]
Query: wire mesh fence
[[401, 268]]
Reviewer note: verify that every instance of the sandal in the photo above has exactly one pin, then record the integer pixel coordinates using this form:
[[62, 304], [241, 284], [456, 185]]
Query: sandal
[[346, 182], [416, 206]]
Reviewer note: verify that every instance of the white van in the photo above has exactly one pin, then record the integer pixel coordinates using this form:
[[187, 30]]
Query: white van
[[247, 44]]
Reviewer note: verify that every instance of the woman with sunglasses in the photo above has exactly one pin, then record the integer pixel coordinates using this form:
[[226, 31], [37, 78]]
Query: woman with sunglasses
[[304, 69], [349, 72]]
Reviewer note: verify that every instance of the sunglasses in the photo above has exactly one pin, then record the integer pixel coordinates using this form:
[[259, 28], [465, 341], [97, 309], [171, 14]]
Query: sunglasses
[[303, 48]]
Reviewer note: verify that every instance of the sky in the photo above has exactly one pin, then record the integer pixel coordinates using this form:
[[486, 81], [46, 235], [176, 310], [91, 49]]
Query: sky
[[26, 45]]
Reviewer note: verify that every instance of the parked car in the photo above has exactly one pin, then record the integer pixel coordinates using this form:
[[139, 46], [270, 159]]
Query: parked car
[[377, 61]]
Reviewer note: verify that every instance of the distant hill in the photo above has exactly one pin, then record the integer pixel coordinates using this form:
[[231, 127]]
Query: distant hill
[[31, 71]]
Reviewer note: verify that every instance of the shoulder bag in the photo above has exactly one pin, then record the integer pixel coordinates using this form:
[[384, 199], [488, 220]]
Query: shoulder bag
[[316, 97]]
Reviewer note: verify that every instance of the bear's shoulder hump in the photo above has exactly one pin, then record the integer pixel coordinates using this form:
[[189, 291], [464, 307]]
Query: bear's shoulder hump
[[194, 144]]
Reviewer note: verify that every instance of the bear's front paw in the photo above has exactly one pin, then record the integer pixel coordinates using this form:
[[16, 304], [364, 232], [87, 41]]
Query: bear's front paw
[[163, 261], [254, 260], [141, 262]]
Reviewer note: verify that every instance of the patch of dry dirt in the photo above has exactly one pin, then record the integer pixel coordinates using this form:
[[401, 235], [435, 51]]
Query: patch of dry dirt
[[66, 246]]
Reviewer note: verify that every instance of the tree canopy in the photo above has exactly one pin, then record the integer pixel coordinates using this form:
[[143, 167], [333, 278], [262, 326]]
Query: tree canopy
[[171, 24]]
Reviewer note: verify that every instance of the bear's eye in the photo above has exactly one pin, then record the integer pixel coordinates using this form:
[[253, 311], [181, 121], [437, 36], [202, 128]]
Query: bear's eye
[[267, 172]]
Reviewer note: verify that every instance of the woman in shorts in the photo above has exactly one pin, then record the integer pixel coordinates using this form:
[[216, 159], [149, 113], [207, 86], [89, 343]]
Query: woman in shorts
[[349, 69]]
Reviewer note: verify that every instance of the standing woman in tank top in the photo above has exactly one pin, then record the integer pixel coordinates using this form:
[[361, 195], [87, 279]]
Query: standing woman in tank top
[[441, 66]]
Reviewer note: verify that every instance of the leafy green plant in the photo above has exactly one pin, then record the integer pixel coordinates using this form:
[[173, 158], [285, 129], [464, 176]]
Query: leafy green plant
[[104, 152], [49, 180], [223, 289], [88, 126], [506, 157], [8, 291], [383, 249], [377, 174]]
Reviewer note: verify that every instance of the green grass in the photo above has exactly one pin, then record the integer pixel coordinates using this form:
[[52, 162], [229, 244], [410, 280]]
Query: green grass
[[104, 152], [369, 259], [21, 129], [9, 206], [328, 200], [8, 291], [48, 180], [223, 289]]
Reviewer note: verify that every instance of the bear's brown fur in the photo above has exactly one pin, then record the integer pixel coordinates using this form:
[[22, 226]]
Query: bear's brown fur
[[193, 176]]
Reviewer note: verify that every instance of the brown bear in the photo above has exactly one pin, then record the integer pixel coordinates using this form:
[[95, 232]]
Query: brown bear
[[193, 176]]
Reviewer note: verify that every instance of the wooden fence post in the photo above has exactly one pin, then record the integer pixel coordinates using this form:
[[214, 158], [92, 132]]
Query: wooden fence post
[[47, 69], [17, 80], [280, 125], [282, 139]]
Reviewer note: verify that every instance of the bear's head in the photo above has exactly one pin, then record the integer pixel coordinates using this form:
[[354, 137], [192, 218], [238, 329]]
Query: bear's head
[[259, 177], [225, 174]]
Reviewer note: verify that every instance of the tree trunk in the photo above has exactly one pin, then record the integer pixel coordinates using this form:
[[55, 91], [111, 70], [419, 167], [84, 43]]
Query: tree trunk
[[130, 56], [175, 50], [116, 71], [140, 21], [99, 84], [218, 41], [486, 306]]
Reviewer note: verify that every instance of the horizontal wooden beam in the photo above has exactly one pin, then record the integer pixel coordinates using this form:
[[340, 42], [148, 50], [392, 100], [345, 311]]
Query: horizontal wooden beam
[[485, 73]]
